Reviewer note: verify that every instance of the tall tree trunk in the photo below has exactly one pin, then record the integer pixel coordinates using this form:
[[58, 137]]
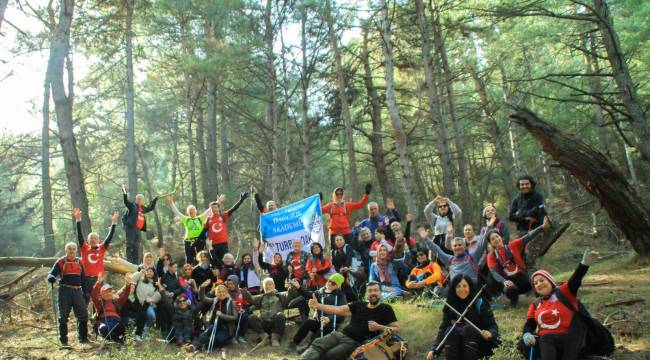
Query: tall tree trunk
[[376, 139], [463, 179], [626, 87], [304, 106], [271, 106], [203, 166], [59, 50], [189, 108], [598, 175], [3, 7], [592, 68], [497, 136], [132, 242], [433, 102], [343, 98], [147, 181], [211, 148], [46, 186], [401, 143], [174, 171], [512, 132], [224, 145]]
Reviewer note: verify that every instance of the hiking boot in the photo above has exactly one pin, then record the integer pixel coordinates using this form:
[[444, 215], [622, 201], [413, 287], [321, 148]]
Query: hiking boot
[[301, 349], [241, 340], [290, 348], [514, 301], [274, 340]]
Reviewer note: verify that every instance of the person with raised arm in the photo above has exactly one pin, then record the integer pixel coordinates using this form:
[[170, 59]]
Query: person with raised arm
[[194, 225], [134, 220], [339, 212], [217, 226]]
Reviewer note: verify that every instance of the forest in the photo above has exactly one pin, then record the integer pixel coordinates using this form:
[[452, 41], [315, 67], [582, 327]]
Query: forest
[[199, 98]]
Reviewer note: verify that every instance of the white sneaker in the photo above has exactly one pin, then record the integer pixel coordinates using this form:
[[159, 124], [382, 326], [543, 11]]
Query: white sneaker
[[138, 338], [241, 340]]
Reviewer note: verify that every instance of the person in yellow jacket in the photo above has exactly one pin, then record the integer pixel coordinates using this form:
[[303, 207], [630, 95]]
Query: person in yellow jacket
[[426, 274]]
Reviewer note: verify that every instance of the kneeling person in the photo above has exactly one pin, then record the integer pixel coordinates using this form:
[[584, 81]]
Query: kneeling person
[[110, 324], [368, 319]]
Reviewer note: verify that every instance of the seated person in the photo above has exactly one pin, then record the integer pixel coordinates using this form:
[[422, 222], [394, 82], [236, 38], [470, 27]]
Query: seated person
[[182, 321], [318, 264], [426, 274], [271, 305], [276, 269], [383, 272], [224, 317], [367, 320], [249, 274], [507, 265], [380, 239], [463, 341], [330, 294], [109, 323]]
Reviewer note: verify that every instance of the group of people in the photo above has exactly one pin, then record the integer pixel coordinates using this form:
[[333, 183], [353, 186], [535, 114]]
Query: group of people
[[213, 301]]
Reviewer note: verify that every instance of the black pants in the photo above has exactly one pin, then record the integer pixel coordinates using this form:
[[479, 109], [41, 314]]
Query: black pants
[[113, 328], [191, 249], [217, 253], [313, 326], [275, 325], [72, 299], [132, 252], [347, 237], [521, 286], [165, 314], [221, 337], [559, 346], [90, 282], [465, 344]]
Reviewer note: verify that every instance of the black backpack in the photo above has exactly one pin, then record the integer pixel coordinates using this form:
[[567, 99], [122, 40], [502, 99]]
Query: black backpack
[[598, 340]]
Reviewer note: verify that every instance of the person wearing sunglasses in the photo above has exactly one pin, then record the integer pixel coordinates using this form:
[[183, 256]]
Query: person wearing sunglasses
[[441, 213]]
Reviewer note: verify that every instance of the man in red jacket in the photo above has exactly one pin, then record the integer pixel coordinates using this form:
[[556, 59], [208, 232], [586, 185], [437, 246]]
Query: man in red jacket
[[109, 323], [339, 211]]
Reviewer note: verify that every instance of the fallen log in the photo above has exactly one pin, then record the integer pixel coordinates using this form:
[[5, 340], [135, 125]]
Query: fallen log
[[625, 302], [6, 296], [112, 264], [15, 281], [597, 174]]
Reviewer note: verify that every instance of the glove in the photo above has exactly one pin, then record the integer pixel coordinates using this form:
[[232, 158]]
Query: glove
[[51, 279], [368, 188], [589, 257], [529, 339], [243, 195]]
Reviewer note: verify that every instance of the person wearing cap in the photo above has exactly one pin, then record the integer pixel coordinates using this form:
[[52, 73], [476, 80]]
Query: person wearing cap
[[507, 265], [550, 325], [339, 211], [271, 305], [109, 324], [72, 287], [330, 294]]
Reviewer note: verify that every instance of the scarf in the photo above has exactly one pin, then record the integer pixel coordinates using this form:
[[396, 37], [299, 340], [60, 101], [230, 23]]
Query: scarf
[[382, 269]]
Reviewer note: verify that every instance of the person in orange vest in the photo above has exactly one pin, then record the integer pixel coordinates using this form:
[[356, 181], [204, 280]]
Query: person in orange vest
[[339, 211]]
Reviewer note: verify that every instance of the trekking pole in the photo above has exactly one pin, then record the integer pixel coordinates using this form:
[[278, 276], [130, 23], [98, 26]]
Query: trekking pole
[[532, 350], [456, 312], [214, 331], [471, 303], [321, 321], [214, 303], [336, 303], [170, 333], [55, 307], [241, 312]]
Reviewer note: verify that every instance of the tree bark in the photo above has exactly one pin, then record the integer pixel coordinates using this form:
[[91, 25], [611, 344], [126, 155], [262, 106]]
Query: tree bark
[[433, 102], [626, 87], [304, 106], [592, 68], [597, 174], [401, 143], [112, 264], [189, 109], [224, 145], [46, 185], [211, 150], [132, 243], [3, 7], [271, 106], [512, 133], [463, 179], [59, 50], [496, 134], [147, 181], [203, 166], [376, 139], [343, 98]]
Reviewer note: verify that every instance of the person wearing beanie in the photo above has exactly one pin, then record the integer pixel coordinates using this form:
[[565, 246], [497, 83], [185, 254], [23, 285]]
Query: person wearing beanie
[[340, 210], [507, 265], [550, 327], [330, 294]]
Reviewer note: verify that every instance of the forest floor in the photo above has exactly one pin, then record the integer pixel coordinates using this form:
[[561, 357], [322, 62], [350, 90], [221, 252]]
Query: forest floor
[[29, 332]]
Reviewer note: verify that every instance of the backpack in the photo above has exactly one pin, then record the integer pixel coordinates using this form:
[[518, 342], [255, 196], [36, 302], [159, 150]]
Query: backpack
[[386, 346], [598, 340]]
